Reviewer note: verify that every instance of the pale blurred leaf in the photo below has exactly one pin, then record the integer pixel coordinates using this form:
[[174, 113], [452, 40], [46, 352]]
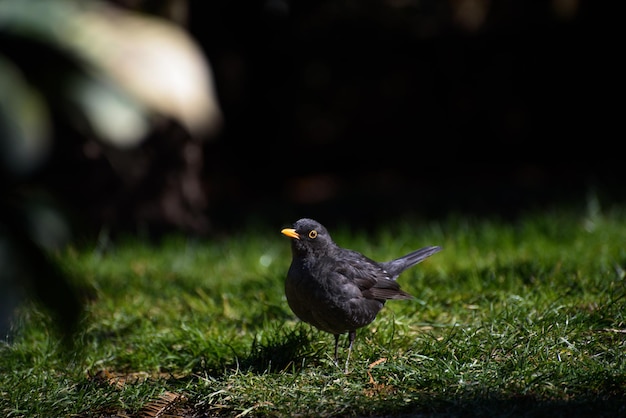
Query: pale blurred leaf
[[157, 63]]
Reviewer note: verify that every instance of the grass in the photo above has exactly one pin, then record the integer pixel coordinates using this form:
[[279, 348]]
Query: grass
[[523, 318]]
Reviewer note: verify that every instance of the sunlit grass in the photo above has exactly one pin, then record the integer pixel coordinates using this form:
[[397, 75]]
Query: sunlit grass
[[510, 317]]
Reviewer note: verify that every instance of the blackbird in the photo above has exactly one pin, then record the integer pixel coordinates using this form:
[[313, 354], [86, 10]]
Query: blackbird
[[339, 290]]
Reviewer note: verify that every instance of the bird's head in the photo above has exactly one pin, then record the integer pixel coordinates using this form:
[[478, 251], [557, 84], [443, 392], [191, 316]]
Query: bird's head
[[309, 237]]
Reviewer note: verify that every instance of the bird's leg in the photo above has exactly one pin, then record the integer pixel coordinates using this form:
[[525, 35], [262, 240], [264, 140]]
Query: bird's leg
[[351, 337], [336, 349]]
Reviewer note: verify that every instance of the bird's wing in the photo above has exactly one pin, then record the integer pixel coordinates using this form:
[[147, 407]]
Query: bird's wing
[[386, 289], [371, 279]]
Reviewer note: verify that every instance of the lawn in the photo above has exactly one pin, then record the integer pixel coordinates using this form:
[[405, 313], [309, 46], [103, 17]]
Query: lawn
[[512, 318]]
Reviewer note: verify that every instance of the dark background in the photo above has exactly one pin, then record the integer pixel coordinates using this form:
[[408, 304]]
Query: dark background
[[361, 111]]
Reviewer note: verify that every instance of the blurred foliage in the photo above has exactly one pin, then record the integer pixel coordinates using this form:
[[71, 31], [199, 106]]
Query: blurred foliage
[[95, 84]]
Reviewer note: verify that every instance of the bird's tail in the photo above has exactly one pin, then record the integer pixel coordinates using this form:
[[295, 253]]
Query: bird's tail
[[397, 266]]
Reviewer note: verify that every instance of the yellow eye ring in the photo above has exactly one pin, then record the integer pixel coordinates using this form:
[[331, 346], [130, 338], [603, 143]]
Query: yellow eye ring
[[313, 234]]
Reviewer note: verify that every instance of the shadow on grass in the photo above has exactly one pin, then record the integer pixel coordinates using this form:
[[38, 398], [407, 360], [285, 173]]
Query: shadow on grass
[[596, 395], [510, 406], [281, 350]]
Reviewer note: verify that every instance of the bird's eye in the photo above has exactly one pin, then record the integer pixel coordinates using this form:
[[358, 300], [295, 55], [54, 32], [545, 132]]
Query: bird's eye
[[313, 234]]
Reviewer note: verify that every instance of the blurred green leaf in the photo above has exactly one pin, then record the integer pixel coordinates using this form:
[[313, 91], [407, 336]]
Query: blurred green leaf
[[113, 116], [24, 122], [29, 230]]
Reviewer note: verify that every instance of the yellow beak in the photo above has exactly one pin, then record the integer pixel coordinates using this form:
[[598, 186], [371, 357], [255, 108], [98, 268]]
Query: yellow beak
[[290, 232]]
